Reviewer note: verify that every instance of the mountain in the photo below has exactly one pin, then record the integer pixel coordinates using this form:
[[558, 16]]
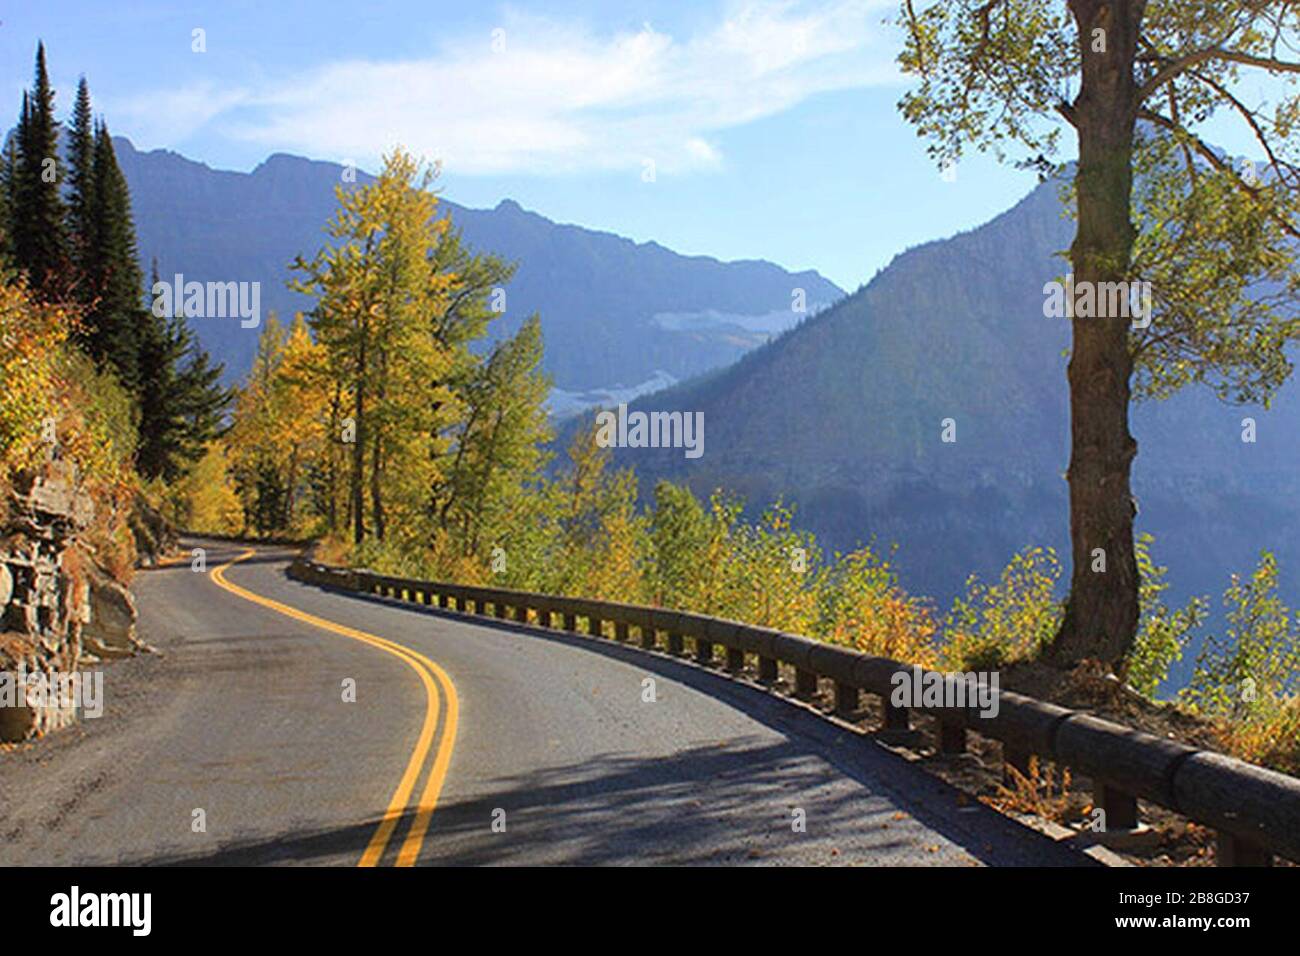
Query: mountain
[[617, 316], [843, 416]]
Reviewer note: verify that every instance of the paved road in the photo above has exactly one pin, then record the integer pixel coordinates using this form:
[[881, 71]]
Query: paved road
[[241, 715]]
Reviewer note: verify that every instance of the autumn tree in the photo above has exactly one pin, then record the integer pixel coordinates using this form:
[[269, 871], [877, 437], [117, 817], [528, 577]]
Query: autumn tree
[[278, 434], [253, 451], [1136, 82], [377, 287], [495, 445]]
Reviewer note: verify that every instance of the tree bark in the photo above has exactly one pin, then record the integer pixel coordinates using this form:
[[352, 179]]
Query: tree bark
[[1101, 612]]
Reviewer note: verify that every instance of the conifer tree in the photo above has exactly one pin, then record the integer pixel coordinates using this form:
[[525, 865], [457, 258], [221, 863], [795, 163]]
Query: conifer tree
[[81, 183], [8, 168], [182, 401], [37, 207], [114, 325]]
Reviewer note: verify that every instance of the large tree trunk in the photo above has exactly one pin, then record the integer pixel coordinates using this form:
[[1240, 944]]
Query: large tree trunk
[[1102, 610]]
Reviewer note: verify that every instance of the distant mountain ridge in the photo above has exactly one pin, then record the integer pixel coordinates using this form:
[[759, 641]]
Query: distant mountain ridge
[[601, 297]]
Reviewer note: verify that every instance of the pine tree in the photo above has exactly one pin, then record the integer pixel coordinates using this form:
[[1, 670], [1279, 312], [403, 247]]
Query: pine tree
[[37, 207], [182, 402], [114, 325], [8, 169], [81, 189]]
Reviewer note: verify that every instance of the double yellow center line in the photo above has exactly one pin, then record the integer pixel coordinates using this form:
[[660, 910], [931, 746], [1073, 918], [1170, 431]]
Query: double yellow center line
[[432, 677]]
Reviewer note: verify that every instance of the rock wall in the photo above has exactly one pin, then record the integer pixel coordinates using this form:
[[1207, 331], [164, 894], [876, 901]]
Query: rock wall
[[59, 611]]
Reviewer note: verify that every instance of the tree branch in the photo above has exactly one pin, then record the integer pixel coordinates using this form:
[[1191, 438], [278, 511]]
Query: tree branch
[[1253, 192]]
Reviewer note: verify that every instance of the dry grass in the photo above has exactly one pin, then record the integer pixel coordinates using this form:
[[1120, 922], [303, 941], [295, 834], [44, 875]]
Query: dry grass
[[1043, 792]]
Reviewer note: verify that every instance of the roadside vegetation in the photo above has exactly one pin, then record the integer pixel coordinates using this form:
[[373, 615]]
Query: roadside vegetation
[[89, 376]]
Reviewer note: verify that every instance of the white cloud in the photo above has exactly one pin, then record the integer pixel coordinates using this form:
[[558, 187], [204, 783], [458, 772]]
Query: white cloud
[[165, 117], [560, 98]]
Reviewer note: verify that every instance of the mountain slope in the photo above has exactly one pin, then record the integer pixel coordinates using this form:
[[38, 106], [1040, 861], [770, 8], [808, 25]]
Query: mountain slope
[[844, 417], [614, 312]]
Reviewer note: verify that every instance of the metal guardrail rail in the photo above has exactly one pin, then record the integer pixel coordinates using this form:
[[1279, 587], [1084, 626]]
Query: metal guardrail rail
[[1255, 812]]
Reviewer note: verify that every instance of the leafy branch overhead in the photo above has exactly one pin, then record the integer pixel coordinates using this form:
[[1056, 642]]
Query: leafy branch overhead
[[1215, 238]]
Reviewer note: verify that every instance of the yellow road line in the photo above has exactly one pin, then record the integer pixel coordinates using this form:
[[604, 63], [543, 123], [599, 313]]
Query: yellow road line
[[431, 676]]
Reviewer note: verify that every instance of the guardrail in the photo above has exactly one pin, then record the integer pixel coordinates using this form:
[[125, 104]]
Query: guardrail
[[1255, 812]]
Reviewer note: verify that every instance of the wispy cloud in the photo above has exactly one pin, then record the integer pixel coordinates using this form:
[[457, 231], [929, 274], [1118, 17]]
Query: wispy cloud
[[549, 97], [170, 115]]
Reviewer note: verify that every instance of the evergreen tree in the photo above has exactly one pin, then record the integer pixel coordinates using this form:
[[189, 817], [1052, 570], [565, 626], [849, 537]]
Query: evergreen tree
[[8, 169], [37, 207], [116, 319], [182, 402], [81, 189]]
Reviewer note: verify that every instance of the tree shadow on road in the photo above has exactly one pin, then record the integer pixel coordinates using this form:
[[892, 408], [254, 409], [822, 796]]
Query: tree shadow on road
[[729, 804]]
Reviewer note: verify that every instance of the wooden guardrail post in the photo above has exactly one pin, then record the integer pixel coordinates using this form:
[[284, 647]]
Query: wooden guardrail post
[[1121, 808], [501, 608], [620, 631], [648, 637], [595, 627], [521, 613], [444, 599], [894, 718], [767, 671], [570, 621], [951, 736], [847, 699], [735, 660], [1232, 850], [805, 683], [703, 652], [675, 643]]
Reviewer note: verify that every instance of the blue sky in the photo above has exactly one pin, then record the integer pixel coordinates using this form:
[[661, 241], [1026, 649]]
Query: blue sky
[[770, 127]]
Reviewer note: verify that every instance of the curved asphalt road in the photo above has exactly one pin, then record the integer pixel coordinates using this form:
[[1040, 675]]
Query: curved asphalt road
[[241, 715]]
